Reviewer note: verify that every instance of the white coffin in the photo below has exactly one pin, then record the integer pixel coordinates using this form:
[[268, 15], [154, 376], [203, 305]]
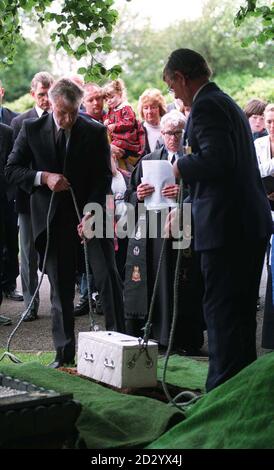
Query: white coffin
[[115, 359]]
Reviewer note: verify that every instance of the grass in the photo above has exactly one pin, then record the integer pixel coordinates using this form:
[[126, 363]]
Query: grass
[[29, 356]]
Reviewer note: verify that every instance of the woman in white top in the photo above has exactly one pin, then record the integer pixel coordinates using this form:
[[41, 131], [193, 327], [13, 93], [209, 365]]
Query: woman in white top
[[265, 145], [119, 184], [265, 153], [151, 107]]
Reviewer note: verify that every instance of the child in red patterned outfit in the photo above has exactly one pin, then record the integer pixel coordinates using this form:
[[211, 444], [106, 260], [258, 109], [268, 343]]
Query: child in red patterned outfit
[[122, 125]]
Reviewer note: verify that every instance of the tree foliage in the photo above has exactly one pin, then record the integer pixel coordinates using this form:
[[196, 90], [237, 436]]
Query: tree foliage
[[142, 52], [264, 14], [81, 28], [29, 59]]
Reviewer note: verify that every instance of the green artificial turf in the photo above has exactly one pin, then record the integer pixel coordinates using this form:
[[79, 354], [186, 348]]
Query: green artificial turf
[[109, 418], [235, 415], [41, 357]]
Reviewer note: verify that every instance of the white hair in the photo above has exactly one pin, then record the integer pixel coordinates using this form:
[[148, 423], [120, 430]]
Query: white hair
[[174, 117]]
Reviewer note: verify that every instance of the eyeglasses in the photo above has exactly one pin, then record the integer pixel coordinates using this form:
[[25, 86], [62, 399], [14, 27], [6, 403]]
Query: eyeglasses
[[174, 134]]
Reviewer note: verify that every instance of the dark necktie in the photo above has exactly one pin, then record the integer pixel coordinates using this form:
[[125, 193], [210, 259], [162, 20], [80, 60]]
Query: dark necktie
[[61, 148], [44, 113], [173, 159]]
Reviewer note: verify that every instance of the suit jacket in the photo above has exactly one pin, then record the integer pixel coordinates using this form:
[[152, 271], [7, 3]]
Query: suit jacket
[[17, 121], [228, 199], [5, 149], [22, 199], [7, 116], [87, 165]]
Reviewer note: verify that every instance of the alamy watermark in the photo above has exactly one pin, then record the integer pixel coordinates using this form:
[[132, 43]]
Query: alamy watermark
[[137, 222]]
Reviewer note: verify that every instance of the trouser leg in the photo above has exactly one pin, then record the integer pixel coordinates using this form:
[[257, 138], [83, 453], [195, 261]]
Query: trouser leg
[[10, 264], [231, 280], [29, 261], [108, 282], [61, 270]]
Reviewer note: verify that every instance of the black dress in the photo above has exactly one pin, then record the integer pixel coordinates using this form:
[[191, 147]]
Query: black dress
[[268, 320], [190, 324]]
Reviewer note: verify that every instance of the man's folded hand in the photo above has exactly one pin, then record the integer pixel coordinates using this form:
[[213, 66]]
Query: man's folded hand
[[55, 181]]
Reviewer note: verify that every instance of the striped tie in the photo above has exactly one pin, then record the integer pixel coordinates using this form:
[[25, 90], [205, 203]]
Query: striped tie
[[173, 159]]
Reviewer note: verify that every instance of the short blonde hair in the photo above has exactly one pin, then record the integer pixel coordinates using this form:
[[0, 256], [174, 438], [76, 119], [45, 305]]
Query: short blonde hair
[[269, 107], [152, 95], [116, 87], [91, 87]]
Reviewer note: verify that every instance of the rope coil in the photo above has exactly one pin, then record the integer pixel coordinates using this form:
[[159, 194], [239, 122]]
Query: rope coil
[[93, 325]]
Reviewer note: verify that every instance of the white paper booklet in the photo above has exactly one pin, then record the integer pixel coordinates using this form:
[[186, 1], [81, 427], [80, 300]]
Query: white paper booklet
[[158, 173]]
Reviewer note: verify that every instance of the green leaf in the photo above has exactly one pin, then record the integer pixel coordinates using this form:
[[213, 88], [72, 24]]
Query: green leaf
[[81, 50], [247, 41], [82, 70], [92, 47], [261, 38]]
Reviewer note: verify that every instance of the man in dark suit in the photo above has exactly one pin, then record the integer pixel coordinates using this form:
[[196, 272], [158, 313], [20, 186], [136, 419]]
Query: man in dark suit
[[6, 115], [40, 85], [10, 245], [231, 216], [5, 148], [52, 154]]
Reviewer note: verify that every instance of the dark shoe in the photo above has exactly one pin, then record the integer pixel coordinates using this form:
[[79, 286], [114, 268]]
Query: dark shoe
[[5, 320], [82, 308], [31, 316], [195, 352], [162, 349], [98, 306], [55, 364], [14, 295]]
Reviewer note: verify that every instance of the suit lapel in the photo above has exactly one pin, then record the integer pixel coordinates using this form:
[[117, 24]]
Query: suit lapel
[[1, 141], [33, 113], [48, 137], [208, 88], [164, 153], [76, 140], [4, 115]]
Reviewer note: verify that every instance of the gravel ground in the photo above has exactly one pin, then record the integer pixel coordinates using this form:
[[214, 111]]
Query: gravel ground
[[36, 335]]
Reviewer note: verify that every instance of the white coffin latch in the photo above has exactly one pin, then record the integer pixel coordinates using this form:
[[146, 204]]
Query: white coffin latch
[[109, 364], [89, 357]]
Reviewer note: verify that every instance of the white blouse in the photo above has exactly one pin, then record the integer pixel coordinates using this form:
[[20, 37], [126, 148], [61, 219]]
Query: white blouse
[[118, 187], [153, 134], [266, 163]]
